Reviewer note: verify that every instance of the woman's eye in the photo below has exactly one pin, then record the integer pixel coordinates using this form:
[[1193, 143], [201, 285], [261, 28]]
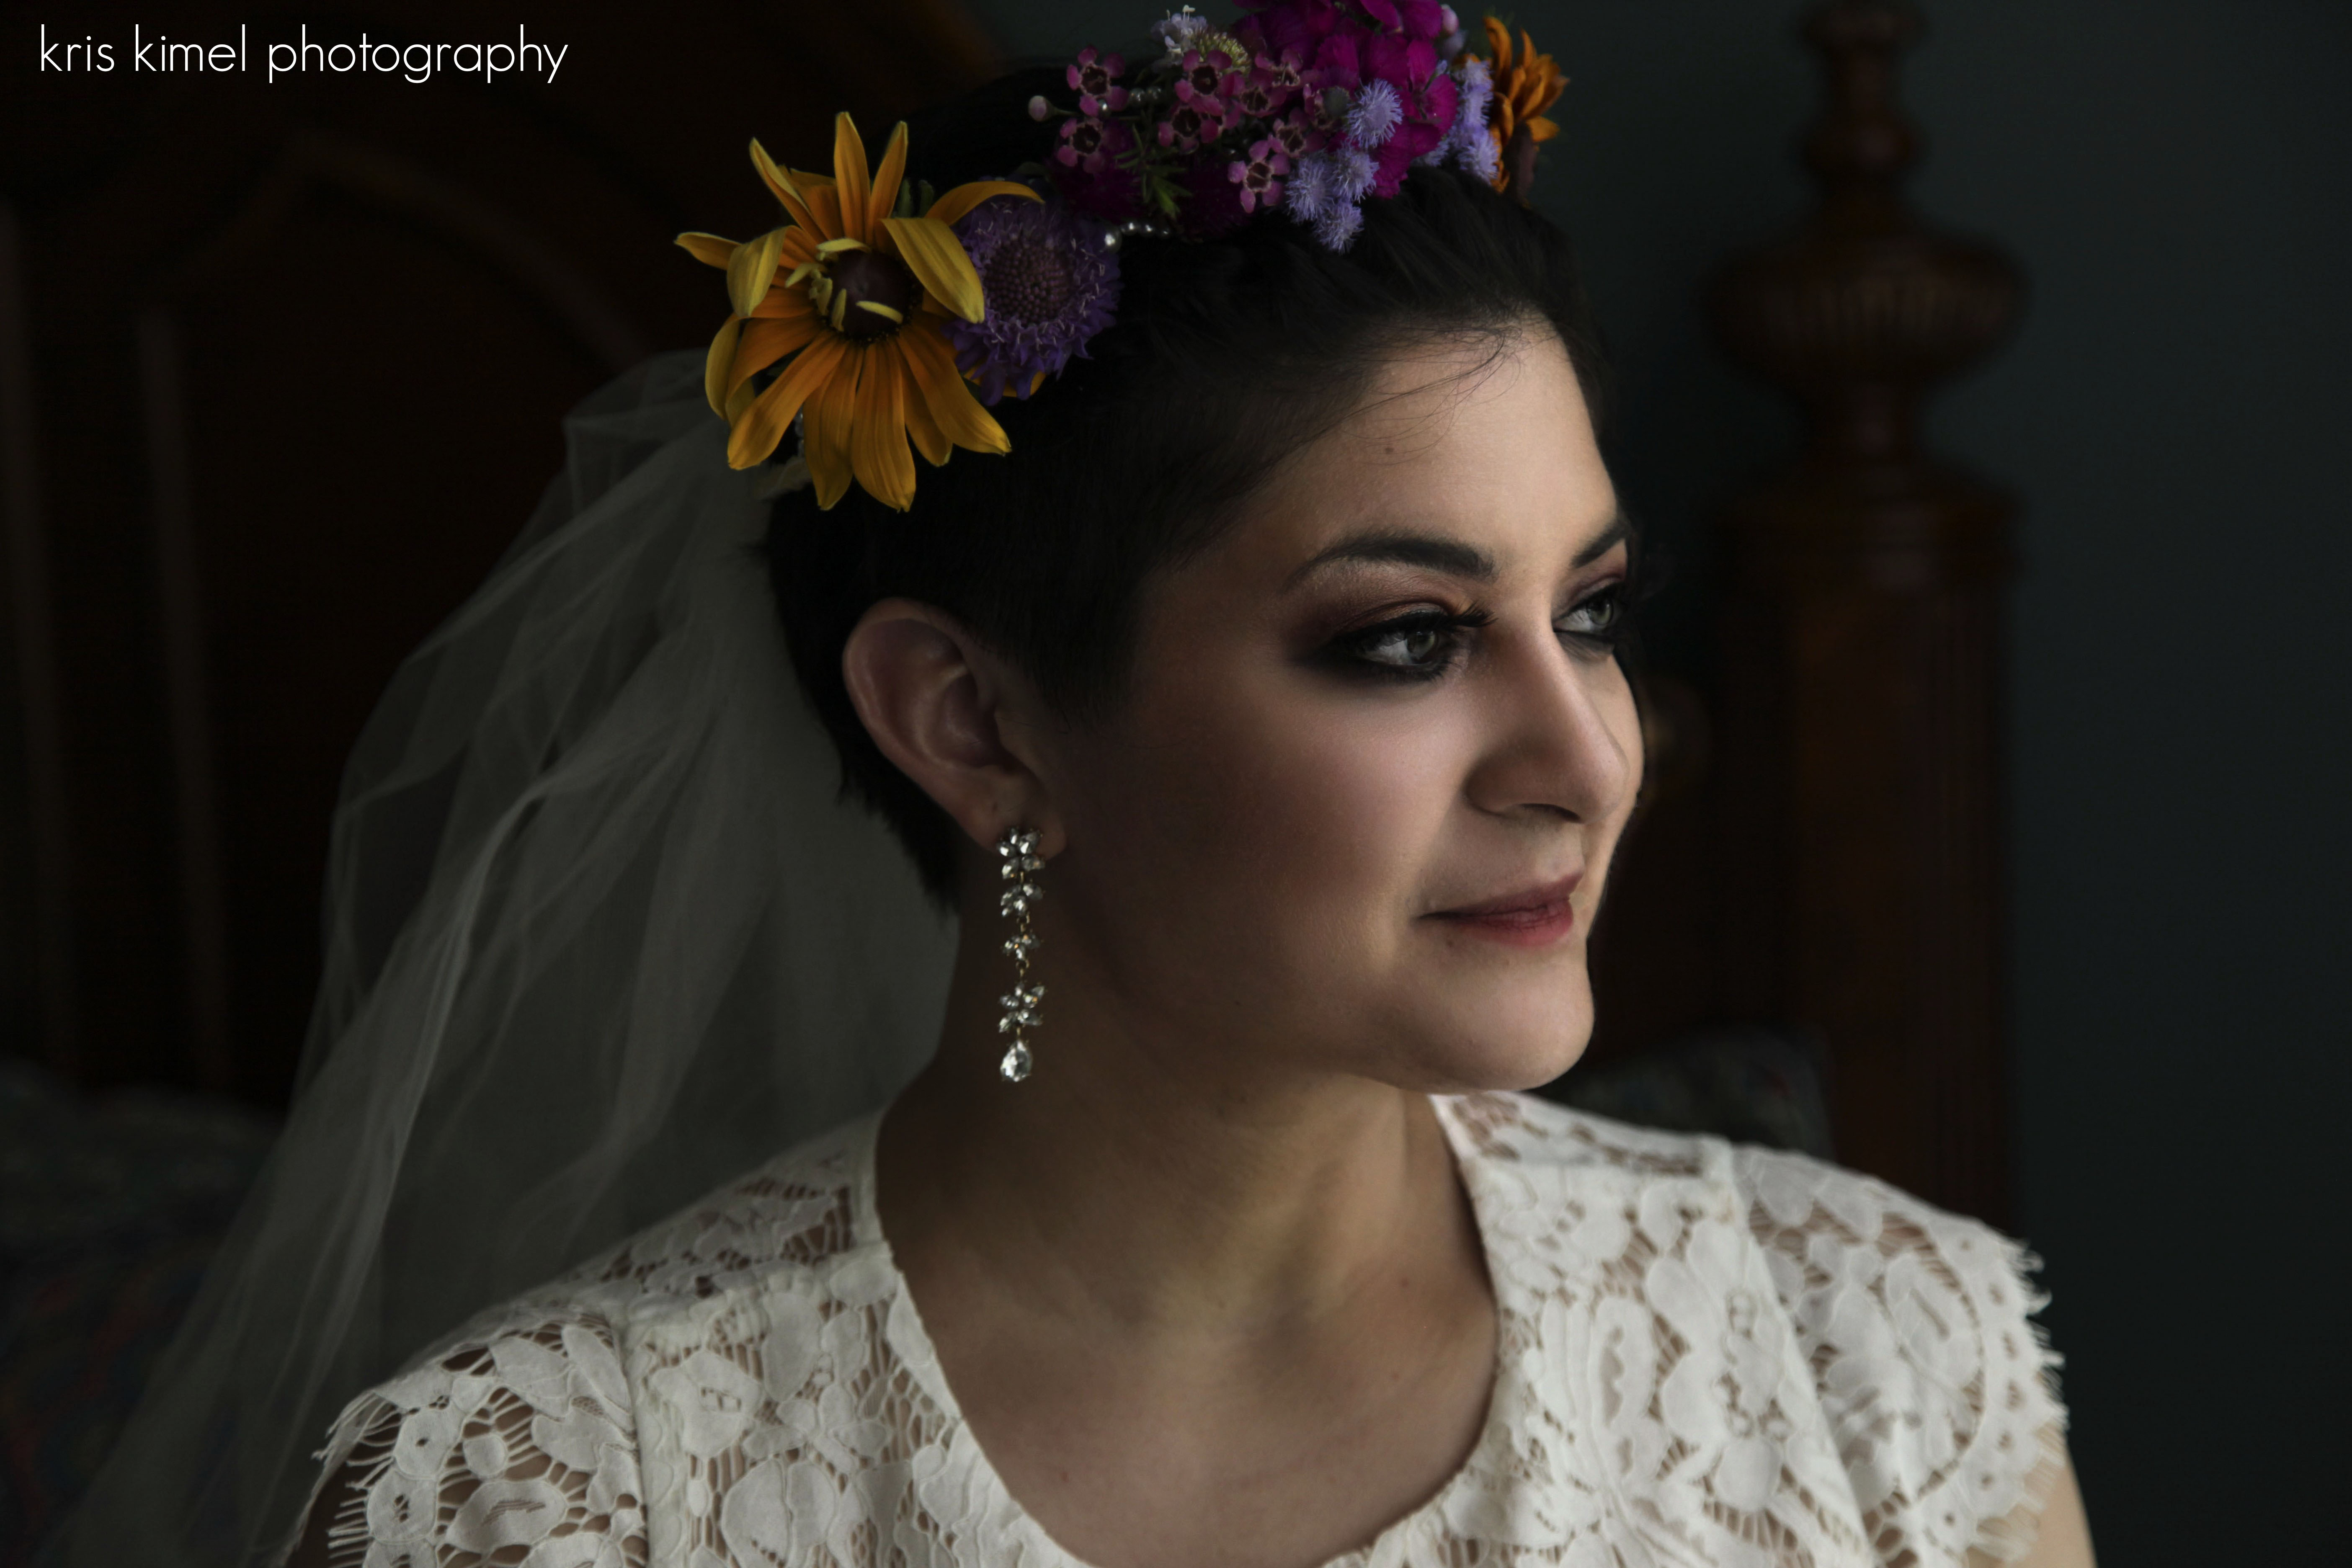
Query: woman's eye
[[1598, 618], [1419, 647]]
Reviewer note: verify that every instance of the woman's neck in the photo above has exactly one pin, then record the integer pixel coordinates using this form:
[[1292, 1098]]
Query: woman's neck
[[1191, 1306], [1156, 1186]]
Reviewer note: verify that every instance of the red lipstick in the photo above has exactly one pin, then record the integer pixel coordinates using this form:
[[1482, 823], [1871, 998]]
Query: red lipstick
[[1531, 917]]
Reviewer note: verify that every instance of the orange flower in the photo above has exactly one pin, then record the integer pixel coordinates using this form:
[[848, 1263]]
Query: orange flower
[[1523, 88], [855, 290]]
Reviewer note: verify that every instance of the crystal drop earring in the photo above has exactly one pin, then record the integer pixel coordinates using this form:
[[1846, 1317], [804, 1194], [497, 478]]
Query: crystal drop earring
[[1016, 851]]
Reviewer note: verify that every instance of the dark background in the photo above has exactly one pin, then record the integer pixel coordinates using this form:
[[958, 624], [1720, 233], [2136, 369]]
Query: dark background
[[2175, 177]]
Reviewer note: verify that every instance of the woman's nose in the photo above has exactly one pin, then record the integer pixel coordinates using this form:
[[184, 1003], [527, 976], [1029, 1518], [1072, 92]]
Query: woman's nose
[[1563, 739]]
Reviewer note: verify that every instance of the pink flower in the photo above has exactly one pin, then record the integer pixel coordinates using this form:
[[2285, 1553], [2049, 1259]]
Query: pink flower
[[1088, 144], [1260, 175], [1406, 64], [1392, 163], [1296, 25], [1263, 96], [1338, 63], [1190, 124], [1428, 18], [1094, 79], [1209, 75], [1441, 101], [1296, 134]]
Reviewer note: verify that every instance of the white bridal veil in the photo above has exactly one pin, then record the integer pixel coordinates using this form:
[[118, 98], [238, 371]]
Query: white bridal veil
[[599, 935]]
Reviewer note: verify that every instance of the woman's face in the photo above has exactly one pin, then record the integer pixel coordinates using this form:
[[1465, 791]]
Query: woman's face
[[1356, 808]]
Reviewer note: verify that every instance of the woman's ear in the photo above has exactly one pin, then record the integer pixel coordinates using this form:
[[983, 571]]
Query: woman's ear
[[951, 716]]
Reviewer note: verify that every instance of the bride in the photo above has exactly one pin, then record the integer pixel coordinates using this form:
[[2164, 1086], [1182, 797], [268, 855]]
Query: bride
[[1249, 692]]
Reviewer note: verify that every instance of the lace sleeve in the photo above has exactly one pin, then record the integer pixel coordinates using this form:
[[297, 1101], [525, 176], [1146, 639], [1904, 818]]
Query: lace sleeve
[[513, 1446], [1939, 1386]]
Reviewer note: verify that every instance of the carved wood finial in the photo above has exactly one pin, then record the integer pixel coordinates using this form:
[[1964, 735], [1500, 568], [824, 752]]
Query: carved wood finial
[[1864, 307], [1862, 142]]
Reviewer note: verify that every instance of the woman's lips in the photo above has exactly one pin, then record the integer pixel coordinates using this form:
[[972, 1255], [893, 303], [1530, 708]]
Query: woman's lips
[[1531, 917]]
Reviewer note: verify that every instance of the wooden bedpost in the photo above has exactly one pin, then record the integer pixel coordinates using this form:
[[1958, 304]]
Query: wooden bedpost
[[1862, 635]]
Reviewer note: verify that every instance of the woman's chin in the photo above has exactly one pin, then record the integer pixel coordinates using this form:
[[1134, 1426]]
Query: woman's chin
[[1507, 1044]]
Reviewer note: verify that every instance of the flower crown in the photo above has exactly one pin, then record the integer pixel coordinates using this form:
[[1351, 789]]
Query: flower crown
[[883, 313]]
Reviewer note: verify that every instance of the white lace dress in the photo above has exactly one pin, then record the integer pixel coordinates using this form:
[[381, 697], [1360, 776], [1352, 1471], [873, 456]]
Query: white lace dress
[[1708, 1355]]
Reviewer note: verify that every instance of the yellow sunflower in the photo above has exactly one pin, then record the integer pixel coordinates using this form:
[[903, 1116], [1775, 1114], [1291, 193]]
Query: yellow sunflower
[[1525, 86], [857, 288]]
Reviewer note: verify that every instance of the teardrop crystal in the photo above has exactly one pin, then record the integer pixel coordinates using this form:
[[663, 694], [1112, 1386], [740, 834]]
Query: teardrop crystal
[[1015, 1065]]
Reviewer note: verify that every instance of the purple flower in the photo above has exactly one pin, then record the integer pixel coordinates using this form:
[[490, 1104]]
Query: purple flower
[[1375, 115], [1336, 228], [1352, 172], [1094, 78], [1178, 29], [1049, 280], [1308, 195], [1260, 175], [1318, 194], [1474, 96], [1481, 156]]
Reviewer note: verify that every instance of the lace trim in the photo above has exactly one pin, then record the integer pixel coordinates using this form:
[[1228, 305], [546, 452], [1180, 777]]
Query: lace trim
[[1708, 1355], [1941, 1388], [521, 1442]]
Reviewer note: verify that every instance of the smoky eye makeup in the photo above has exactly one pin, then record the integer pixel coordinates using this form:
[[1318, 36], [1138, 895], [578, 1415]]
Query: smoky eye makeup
[[1420, 644], [1423, 636], [1425, 642]]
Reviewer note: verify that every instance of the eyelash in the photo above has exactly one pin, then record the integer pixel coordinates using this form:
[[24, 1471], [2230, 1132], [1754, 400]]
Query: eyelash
[[1356, 649]]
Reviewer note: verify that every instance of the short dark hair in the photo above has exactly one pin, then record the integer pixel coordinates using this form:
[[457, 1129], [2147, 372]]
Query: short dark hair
[[1227, 356]]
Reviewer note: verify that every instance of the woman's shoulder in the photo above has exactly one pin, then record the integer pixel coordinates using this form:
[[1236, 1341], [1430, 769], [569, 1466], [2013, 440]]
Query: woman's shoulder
[[798, 1211], [521, 1423], [1911, 1329], [795, 1212], [1819, 1223]]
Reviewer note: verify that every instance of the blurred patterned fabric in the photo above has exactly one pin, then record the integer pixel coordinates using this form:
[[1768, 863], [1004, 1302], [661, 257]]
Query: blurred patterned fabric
[[110, 1210]]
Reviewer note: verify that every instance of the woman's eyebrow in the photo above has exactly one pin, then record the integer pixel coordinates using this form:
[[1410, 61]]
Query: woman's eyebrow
[[1397, 547], [1612, 533], [1401, 547]]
